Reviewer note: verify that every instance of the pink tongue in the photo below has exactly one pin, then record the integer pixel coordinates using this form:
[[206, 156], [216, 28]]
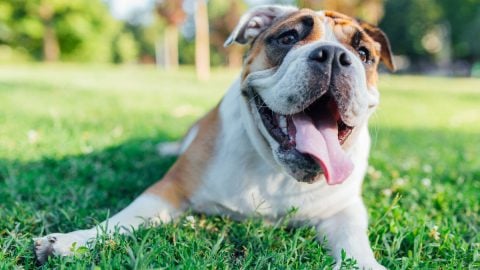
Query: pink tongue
[[321, 142]]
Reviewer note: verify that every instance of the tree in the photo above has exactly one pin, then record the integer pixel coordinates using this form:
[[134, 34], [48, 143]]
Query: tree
[[463, 21], [59, 30], [202, 43], [172, 12], [422, 20]]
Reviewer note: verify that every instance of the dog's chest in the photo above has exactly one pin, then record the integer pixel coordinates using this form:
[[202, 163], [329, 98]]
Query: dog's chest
[[271, 197], [240, 184]]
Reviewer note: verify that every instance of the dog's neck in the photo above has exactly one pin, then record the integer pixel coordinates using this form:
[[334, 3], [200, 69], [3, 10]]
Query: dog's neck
[[239, 131]]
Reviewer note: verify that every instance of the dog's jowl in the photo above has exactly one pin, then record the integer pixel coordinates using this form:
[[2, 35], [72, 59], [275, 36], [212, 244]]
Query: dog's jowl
[[290, 132]]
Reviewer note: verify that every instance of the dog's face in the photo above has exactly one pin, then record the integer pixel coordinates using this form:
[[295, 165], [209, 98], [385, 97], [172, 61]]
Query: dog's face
[[309, 80]]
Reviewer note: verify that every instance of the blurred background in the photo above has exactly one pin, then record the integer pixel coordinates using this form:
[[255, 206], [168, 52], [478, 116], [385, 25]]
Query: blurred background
[[437, 37]]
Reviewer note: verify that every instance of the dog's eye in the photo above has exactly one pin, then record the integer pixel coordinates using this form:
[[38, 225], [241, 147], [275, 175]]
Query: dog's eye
[[288, 38], [364, 54]]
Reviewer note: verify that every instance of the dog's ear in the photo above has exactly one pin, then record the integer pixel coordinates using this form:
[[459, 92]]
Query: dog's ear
[[386, 55], [255, 21]]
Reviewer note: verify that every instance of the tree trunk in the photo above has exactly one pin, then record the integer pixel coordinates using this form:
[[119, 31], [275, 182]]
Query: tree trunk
[[171, 47], [51, 49], [202, 43]]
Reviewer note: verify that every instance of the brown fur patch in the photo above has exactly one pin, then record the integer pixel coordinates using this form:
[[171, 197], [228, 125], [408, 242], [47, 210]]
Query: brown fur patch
[[336, 15], [184, 176], [317, 32]]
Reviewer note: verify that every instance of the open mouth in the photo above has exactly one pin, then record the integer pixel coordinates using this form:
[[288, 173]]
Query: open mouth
[[282, 128], [318, 132]]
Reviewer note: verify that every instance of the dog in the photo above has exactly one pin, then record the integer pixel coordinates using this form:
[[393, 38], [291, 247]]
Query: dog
[[291, 132]]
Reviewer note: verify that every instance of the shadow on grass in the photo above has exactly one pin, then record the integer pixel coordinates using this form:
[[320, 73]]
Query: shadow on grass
[[77, 190], [90, 184]]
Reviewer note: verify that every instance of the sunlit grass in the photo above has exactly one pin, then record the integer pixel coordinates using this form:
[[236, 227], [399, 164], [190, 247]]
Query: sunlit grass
[[77, 143]]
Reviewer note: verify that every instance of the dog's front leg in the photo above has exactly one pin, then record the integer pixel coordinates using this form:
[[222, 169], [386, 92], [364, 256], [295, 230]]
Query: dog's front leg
[[160, 203], [152, 207], [347, 230]]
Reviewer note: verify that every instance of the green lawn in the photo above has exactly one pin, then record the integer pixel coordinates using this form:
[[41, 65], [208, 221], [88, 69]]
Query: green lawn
[[78, 143]]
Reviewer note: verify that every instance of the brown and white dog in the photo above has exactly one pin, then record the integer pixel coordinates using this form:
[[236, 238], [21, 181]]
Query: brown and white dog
[[290, 132]]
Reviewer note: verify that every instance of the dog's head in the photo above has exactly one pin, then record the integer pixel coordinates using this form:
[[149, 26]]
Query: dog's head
[[309, 81]]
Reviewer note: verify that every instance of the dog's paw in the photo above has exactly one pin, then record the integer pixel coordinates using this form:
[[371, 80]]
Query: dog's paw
[[56, 244], [368, 265], [372, 266]]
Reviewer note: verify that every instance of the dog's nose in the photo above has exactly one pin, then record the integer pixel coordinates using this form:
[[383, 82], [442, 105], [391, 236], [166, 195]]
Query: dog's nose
[[330, 55]]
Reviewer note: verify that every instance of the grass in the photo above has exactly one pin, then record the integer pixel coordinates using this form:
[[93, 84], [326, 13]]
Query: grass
[[78, 144]]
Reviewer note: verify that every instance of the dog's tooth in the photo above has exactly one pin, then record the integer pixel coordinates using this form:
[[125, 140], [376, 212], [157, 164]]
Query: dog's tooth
[[282, 123]]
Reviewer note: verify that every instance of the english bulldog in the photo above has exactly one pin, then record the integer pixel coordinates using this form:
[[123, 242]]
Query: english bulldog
[[291, 132]]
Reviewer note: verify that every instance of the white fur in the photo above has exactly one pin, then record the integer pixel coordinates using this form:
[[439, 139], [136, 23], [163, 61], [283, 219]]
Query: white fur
[[328, 34], [192, 133], [257, 187], [166, 149], [347, 230]]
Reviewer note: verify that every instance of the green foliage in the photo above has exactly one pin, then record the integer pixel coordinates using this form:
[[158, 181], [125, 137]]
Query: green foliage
[[187, 51], [407, 22], [86, 32], [78, 144], [218, 8], [125, 48], [145, 37], [83, 29]]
